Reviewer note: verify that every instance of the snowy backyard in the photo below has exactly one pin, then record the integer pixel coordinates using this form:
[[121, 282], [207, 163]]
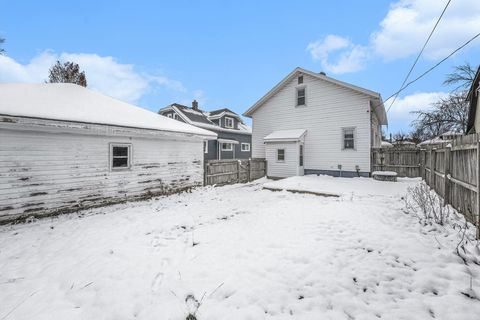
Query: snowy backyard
[[242, 252]]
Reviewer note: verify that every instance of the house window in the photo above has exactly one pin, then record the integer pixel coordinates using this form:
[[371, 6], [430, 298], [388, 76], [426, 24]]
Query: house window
[[280, 154], [300, 96], [169, 115], [300, 79], [175, 116], [227, 147], [348, 135], [300, 160], [228, 122], [205, 146], [246, 147], [120, 156]]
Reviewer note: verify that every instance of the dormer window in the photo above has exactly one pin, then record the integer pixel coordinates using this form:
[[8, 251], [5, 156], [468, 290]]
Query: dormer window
[[301, 96], [300, 79], [229, 122]]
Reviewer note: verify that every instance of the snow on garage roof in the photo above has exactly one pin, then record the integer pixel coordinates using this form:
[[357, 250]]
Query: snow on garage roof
[[70, 102], [285, 135]]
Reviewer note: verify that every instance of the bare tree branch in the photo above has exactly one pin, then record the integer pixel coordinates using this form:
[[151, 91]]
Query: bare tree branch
[[68, 72]]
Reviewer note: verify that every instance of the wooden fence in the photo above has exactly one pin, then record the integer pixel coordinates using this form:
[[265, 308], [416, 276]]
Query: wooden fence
[[451, 169], [405, 161], [221, 172]]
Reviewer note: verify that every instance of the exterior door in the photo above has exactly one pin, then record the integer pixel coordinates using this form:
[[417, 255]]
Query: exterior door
[[301, 159]]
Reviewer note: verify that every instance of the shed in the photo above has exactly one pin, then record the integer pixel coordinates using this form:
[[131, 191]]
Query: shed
[[64, 147], [284, 151]]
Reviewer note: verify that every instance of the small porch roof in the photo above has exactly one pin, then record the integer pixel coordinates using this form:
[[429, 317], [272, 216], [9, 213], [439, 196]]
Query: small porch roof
[[227, 141], [285, 135]]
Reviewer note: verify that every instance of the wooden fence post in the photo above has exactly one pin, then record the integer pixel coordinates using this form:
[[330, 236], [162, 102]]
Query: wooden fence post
[[249, 172], [446, 180], [434, 164], [478, 189]]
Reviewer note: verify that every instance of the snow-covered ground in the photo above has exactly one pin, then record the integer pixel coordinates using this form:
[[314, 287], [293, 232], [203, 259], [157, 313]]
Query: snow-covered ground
[[243, 253]]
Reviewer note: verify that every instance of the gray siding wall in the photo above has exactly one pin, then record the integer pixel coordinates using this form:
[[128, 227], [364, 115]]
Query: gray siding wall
[[212, 146], [46, 172]]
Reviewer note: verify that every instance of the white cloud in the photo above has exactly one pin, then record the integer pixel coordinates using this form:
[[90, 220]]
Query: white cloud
[[350, 58], [104, 74], [402, 109], [408, 23], [402, 33]]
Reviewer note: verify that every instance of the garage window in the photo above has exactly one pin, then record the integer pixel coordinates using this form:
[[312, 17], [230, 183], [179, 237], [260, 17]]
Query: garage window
[[120, 156]]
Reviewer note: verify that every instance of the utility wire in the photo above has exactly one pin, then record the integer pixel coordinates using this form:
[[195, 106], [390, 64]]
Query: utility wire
[[433, 67], [420, 53]]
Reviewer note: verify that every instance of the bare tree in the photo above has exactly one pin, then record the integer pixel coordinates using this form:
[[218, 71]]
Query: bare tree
[[2, 51], [68, 72], [448, 114], [462, 76], [401, 136]]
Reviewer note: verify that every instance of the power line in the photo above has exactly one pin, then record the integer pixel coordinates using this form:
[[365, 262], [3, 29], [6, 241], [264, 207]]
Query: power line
[[421, 51], [433, 67]]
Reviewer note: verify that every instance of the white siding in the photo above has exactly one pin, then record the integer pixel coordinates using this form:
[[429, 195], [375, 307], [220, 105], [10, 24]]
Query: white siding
[[329, 109], [376, 131], [282, 169], [42, 172]]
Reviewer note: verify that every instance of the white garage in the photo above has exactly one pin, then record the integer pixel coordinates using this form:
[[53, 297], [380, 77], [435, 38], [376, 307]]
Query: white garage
[[64, 147]]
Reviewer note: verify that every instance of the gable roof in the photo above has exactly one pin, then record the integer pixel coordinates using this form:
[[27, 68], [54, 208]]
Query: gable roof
[[374, 96], [202, 118], [472, 97], [71, 102]]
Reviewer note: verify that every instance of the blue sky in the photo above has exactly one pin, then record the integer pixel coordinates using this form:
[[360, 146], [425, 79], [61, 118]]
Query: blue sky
[[228, 54]]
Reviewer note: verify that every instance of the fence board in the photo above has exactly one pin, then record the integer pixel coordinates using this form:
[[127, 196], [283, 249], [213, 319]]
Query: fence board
[[221, 172]]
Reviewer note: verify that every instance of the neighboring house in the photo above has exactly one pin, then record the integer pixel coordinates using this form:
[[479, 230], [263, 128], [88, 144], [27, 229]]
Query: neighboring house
[[473, 125], [234, 136], [65, 147], [313, 124], [443, 138]]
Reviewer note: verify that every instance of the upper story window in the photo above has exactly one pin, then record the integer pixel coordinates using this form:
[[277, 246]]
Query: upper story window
[[348, 138], [301, 96], [300, 79], [175, 116], [229, 122], [245, 146], [169, 115], [120, 156]]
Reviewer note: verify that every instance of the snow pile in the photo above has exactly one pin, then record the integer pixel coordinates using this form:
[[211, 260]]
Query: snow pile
[[282, 135], [239, 252], [70, 102]]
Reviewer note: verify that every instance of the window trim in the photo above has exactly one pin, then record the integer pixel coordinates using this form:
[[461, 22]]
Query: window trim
[[278, 150], [233, 122], [230, 149], [129, 156], [169, 115], [205, 146], [245, 144], [297, 88], [354, 138]]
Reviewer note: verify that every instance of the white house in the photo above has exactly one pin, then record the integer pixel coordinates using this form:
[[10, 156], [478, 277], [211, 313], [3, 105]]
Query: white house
[[65, 147], [310, 123]]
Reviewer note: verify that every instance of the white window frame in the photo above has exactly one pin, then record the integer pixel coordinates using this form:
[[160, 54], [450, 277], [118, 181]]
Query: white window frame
[[233, 122], [278, 160], [129, 156], [298, 88], [169, 115], [354, 129], [245, 144], [205, 146], [227, 143]]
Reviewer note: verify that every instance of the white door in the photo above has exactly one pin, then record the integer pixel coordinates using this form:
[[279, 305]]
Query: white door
[[301, 159]]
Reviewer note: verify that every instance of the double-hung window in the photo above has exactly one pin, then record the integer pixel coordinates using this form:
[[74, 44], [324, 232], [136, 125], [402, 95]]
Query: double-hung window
[[280, 154], [245, 146], [120, 156], [301, 96], [228, 122], [348, 138]]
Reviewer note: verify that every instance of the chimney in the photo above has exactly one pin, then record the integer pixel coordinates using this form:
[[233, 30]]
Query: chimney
[[194, 105]]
